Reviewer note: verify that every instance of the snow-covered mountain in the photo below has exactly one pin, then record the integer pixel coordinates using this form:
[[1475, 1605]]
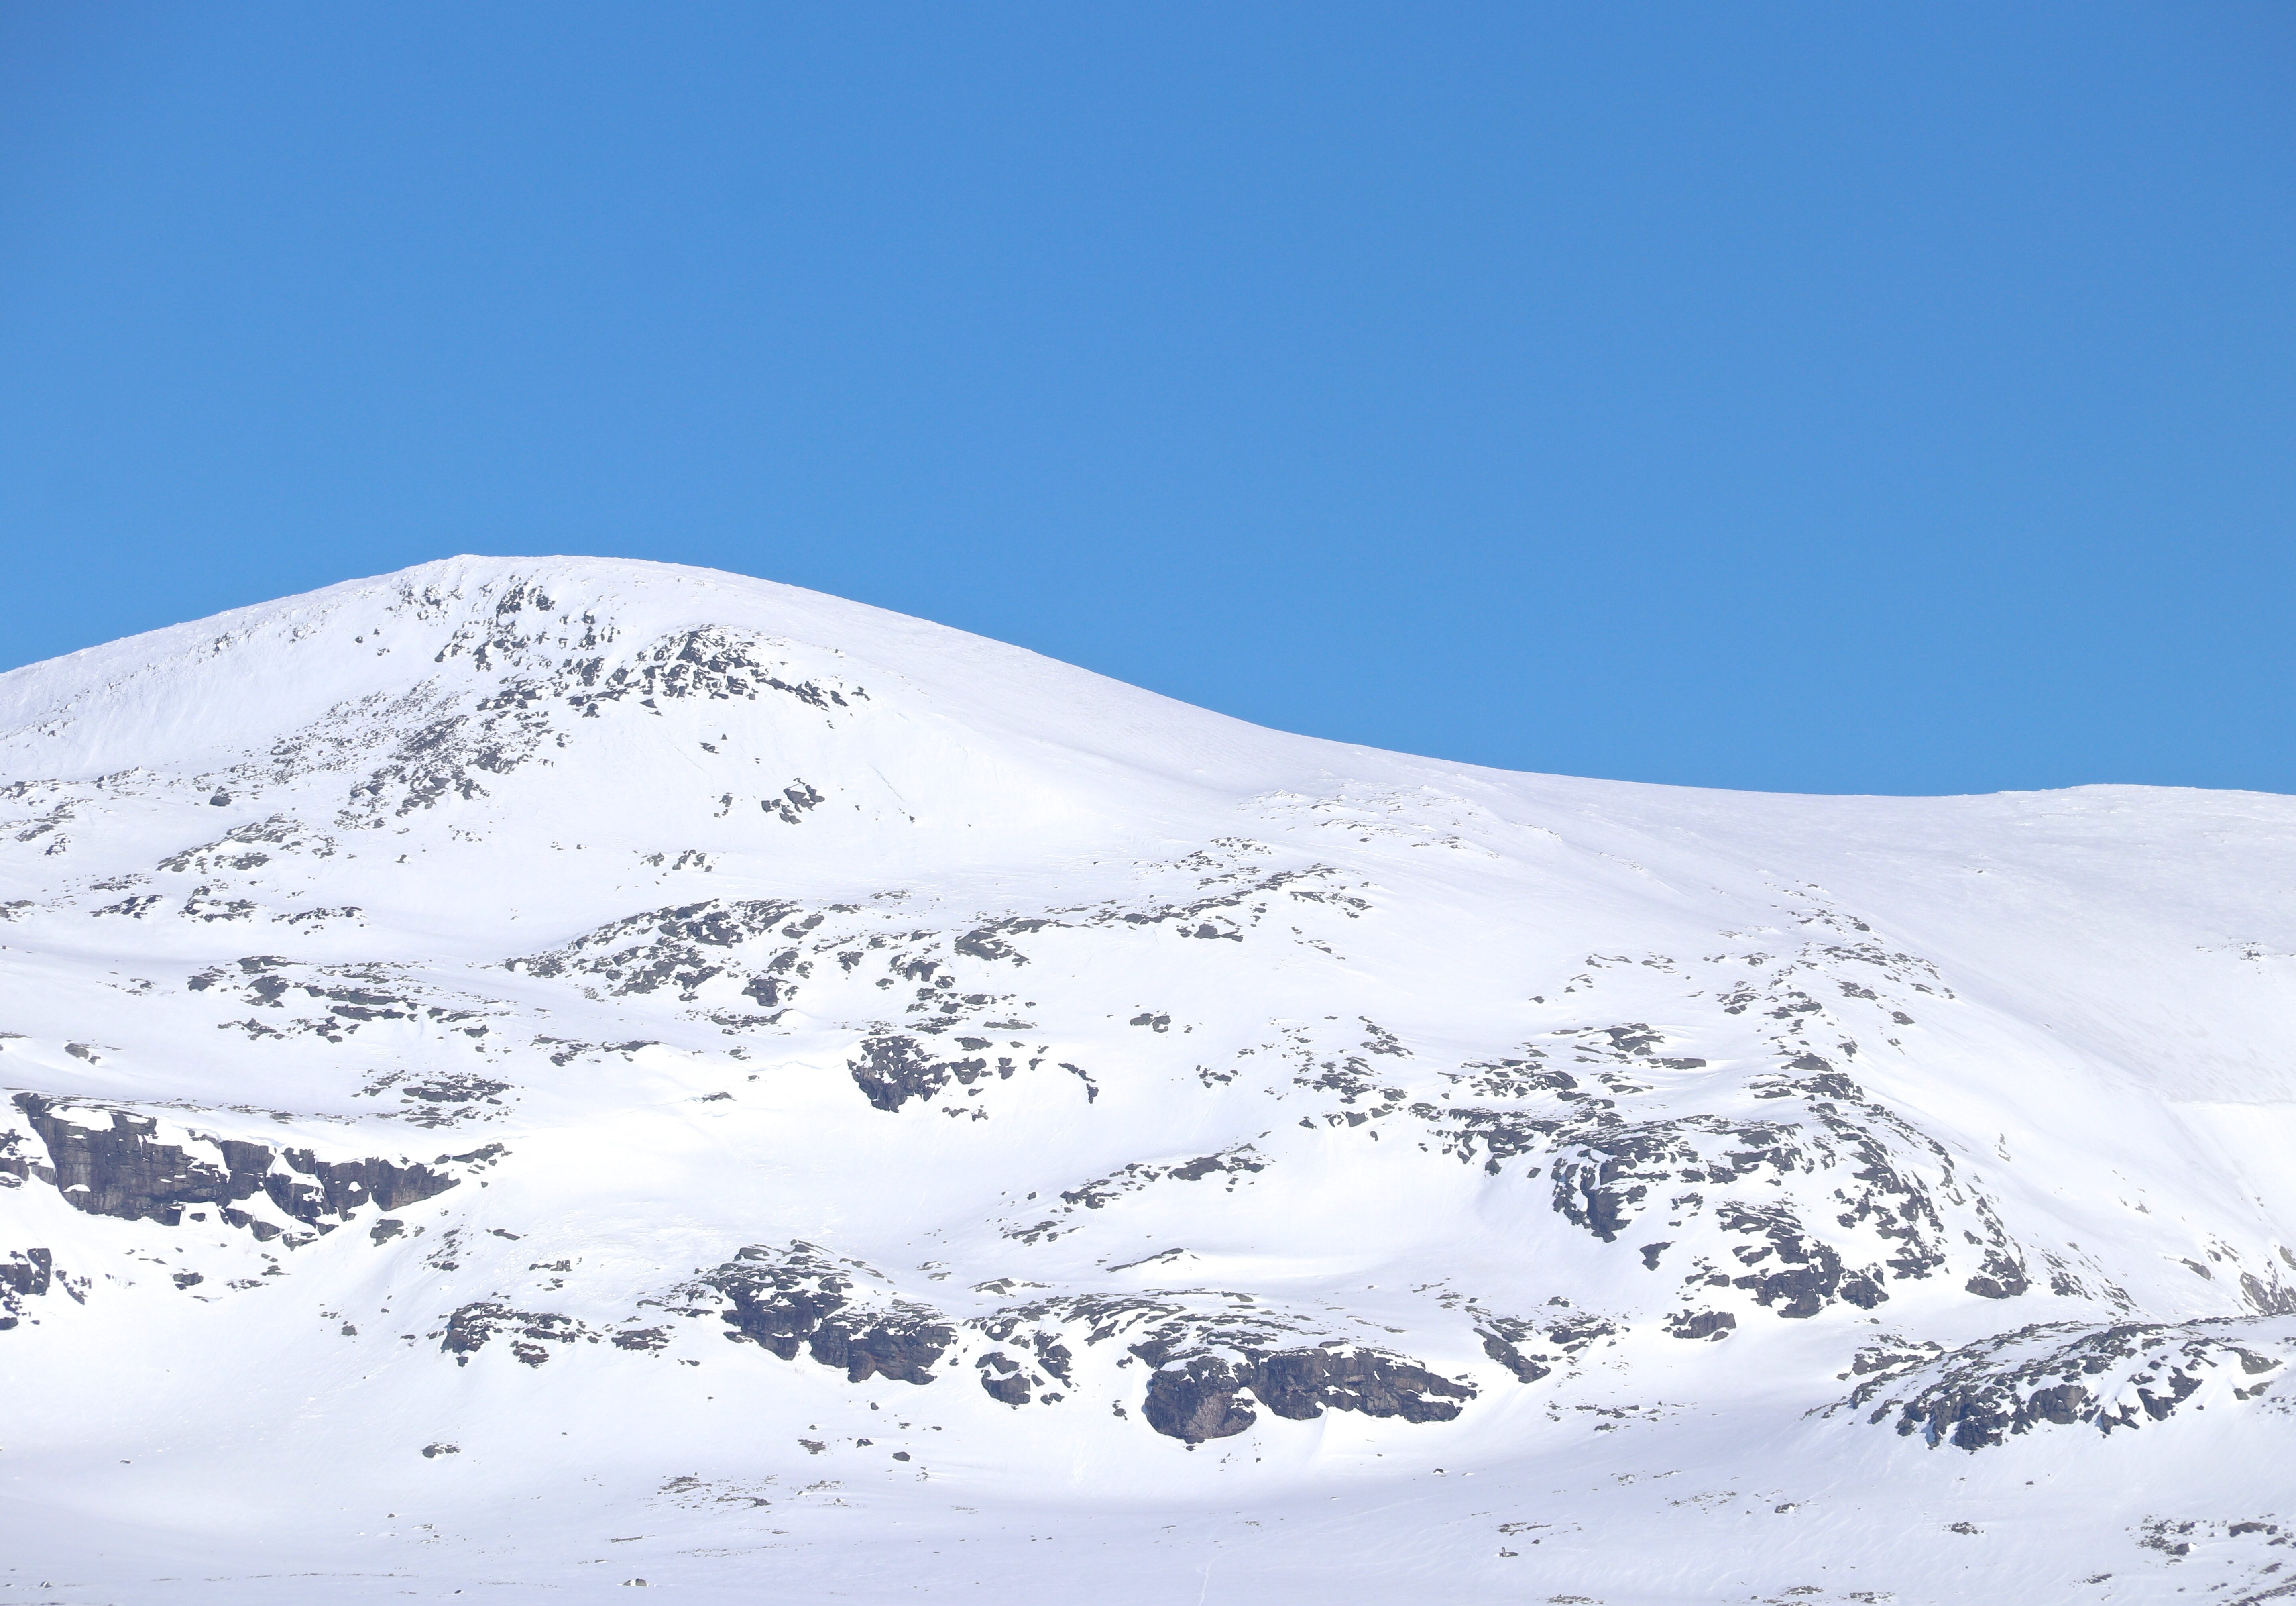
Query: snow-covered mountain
[[522, 1075]]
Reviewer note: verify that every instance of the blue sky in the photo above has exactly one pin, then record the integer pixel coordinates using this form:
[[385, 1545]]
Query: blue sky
[[1846, 398]]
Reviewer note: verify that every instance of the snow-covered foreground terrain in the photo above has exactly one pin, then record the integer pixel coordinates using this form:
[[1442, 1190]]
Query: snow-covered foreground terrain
[[525, 1076]]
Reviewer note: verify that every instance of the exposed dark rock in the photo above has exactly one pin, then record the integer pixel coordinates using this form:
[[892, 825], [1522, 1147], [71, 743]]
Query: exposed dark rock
[[891, 1069], [1196, 1401], [902, 1343], [2066, 1374], [795, 799], [124, 1171], [1207, 917], [127, 1172], [1609, 1172], [454, 1090], [988, 941], [443, 749], [353, 996], [1206, 1396], [2003, 1278], [1809, 1275], [25, 1275], [1533, 1350], [1522, 1078], [237, 850], [1005, 1380], [680, 948], [1230, 1163], [2269, 1295], [340, 1186], [1498, 1135], [1302, 1384], [710, 662], [800, 1298], [1210, 1367], [27, 1271], [1702, 1324], [469, 1328], [1235, 1163], [1504, 1340]]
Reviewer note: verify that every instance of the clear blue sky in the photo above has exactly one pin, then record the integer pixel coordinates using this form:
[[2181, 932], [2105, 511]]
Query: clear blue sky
[[1828, 397]]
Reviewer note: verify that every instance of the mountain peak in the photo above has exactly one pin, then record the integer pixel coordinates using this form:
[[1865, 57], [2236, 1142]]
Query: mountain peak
[[702, 1058]]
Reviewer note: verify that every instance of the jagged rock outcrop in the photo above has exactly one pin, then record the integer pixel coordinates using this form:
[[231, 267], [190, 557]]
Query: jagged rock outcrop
[[1205, 1396], [472, 1326], [2066, 1374], [123, 1169], [802, 1298]]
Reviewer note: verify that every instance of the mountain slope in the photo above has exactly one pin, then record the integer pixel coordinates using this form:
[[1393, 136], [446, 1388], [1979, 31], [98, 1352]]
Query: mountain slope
[[564, 1070]]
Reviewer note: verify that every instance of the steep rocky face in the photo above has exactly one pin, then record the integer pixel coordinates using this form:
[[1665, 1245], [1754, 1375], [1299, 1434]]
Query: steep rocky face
[[124, 1170], [686, 985]]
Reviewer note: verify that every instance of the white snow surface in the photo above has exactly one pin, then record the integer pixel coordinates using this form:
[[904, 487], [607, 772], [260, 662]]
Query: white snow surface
[[523, 1075]]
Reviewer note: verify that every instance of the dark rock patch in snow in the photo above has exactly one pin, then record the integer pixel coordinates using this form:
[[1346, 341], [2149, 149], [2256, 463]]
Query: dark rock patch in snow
[[802, 1298]]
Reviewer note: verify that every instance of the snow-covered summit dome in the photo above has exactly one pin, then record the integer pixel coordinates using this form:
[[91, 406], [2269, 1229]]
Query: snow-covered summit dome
[[617, 1048]]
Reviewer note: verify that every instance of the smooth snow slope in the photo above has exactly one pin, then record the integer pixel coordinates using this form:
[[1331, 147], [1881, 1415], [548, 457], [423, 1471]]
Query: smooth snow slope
[[525, 1074]]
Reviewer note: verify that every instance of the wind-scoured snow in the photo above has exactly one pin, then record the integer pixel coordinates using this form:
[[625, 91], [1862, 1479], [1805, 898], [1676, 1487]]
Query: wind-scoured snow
[[525, 1076]]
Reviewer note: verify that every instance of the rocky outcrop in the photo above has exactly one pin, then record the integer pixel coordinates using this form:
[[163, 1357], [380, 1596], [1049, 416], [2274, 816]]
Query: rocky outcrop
[[338, 1187], [681, 950], [710, 662], [333, 1004], [1533, 1350], [2105, 1378], [24, 1274], [1212, 1358], [891, 1069], [801, 1298], [1857, 1197], [1796, 1273], [1206, 1396], [124, 1169], [1196, 1400], [472, 1326]]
